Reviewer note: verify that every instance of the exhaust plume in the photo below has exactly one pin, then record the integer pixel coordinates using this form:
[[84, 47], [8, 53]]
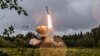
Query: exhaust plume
[[49, 24]]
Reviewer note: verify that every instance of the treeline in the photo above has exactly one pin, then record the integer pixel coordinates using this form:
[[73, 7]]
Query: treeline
[[16, 41], [7, 40], [89, 39]]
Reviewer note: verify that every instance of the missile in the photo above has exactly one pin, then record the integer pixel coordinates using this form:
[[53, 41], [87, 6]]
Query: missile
[[47, 9]]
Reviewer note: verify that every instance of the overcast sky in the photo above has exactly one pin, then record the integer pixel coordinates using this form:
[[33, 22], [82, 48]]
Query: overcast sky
[[69, 16]]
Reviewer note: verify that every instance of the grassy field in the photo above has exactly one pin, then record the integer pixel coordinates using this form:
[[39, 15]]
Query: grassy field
[[51, 52]]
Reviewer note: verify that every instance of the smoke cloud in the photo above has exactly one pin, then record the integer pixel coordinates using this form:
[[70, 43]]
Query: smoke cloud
[[34, 42]]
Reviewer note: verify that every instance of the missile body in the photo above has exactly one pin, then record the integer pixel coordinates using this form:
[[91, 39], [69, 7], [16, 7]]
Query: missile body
[[47, 10]]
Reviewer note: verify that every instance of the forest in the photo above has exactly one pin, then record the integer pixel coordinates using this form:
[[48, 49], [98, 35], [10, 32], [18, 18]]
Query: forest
[[83, 40]]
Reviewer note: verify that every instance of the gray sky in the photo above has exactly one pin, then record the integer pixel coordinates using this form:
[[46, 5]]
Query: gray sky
[[69, 16]]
